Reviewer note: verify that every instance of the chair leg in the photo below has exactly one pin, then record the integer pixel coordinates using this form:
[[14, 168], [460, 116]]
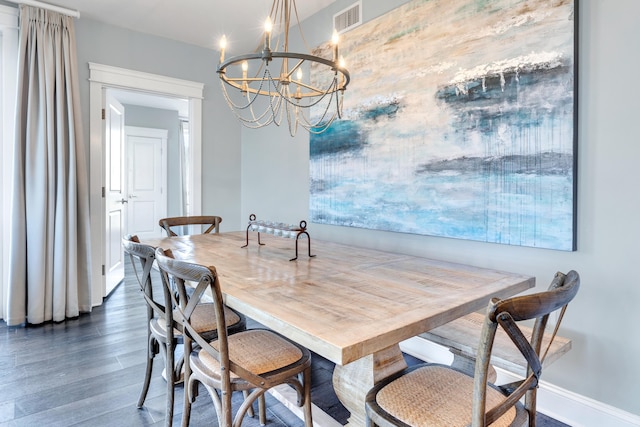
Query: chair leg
[[151, 343], [530, 401], [249, 398], [245, 394], [188, 392], [190, 387], [308, 421], [262, 410], [171, 378]]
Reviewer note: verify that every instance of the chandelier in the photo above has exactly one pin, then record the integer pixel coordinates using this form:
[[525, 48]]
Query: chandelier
[[273, 84]]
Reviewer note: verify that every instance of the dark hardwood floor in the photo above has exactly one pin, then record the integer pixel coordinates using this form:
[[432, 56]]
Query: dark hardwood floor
[[88, 372]]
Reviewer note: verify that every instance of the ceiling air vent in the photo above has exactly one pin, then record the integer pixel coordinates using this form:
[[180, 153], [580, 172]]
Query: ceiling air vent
[[348, 18]]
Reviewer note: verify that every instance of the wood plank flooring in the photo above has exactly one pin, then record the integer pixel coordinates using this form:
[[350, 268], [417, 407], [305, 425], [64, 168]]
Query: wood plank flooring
[[88, 372]]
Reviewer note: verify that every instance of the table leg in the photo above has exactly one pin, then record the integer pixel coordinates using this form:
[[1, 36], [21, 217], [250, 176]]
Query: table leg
[[353, 380], [467, 363]]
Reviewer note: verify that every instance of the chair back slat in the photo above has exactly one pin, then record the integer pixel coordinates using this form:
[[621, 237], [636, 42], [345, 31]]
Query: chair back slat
[[521, 342], [180, 273], [142, 257], [506, 313], [212, 221]]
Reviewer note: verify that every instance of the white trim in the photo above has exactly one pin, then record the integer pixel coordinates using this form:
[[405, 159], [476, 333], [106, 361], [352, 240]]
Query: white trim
[[52, 7], [563, 405], [146, 82], [9, 17], [8, 84], [195, 142], [100, 78]]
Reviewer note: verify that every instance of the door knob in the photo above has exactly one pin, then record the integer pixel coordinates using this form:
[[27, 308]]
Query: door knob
[[123, 201]]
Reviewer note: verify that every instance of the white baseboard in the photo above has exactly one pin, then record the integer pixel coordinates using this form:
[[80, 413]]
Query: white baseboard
[[563, 405]]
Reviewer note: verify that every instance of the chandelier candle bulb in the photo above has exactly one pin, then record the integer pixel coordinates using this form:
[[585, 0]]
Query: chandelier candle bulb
[[245, 67], [268, 27], [298, 94], [223, 46], [334, 40]]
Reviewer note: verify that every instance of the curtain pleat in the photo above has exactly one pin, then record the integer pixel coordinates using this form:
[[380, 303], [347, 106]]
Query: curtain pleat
[[50, 263]]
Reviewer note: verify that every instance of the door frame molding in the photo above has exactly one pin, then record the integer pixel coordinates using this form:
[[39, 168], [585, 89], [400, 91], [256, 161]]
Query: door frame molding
[[105, 76]]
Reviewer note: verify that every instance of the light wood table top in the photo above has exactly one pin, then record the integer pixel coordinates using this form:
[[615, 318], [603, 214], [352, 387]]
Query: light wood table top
[[350, 305], [346, 302]]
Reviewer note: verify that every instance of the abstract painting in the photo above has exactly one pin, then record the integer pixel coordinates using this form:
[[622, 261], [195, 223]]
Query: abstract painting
[[460, 121]]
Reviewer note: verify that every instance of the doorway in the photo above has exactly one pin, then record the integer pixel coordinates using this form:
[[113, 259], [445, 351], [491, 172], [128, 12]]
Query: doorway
[[103, 77], [146, 180]]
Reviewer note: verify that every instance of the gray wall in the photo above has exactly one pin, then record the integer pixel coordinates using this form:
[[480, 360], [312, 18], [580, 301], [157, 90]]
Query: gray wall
[[603, 319], [268, 176], [114, 46], [156, 118]]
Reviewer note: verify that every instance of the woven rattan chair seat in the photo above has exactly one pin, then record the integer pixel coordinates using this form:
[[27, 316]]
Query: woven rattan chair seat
[[259, 351], [203, 319], [436, 396]]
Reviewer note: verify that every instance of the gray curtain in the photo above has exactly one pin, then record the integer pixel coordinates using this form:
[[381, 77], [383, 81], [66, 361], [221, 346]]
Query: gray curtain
[[49, 260]]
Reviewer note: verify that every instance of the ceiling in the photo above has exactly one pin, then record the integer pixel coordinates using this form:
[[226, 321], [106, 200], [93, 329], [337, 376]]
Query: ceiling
[[197, 22]]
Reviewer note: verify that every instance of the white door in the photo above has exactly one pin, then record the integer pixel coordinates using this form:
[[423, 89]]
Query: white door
[[114, 193], [146, 180]]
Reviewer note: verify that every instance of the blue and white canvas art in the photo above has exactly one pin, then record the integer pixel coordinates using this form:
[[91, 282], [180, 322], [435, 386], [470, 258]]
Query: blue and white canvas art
[[459, 122]]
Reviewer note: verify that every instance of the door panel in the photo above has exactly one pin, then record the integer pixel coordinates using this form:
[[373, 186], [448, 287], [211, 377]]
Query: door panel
[[146, 180], [114, 193]]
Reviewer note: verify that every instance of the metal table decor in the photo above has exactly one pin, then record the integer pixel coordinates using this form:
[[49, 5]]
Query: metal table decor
[[279, 229]]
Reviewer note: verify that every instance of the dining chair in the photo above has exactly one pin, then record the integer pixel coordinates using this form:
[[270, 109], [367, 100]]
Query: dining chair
[[253, 360], [163, 334], [440, 395], [212, 221]]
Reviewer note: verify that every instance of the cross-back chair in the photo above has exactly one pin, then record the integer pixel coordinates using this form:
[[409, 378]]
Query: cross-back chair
[[253, 360], [163, 334], [439, 395], [212, 221]]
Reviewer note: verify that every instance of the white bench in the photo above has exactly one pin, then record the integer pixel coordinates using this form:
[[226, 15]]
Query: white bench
[[463, 335]]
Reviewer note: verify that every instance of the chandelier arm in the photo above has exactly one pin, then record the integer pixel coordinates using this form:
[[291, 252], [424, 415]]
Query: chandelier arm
[[295, 68], [331, 89], [316, 91], [291, 55], [256, 92], [240, 79], [323, 96]]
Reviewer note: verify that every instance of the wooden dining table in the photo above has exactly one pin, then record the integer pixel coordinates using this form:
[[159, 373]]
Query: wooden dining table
[[349, 304]]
